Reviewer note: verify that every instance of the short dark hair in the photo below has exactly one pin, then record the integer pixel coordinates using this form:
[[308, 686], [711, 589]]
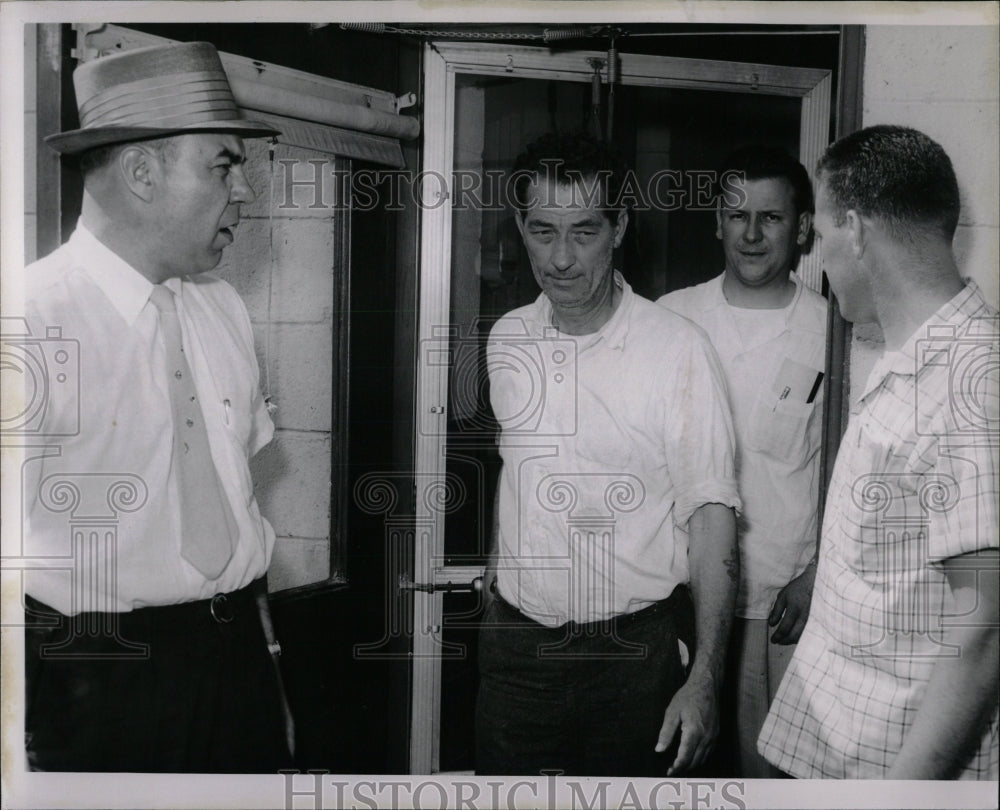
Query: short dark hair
[[895, 174], [100, 156], [568, 159], [97, 158], [760, 162]]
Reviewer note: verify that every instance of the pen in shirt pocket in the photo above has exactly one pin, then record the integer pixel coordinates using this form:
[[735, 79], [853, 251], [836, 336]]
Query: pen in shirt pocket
[[226, 408]]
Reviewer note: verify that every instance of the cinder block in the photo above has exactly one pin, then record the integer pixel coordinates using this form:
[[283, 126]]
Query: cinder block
[[292, 483], [30, 238], [301, 283], [246, 265], [299, 183], [927, 63], [301, 372], [30, 68], [298, 561], [968, 132], [30, 169], [302, 288]]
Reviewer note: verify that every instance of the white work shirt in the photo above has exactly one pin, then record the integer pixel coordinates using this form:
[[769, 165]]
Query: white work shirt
[[778, 433], [610, 442], [101, 508]]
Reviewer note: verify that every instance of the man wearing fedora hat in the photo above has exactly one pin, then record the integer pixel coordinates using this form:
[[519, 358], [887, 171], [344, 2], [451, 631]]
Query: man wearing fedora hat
[[145, 650]]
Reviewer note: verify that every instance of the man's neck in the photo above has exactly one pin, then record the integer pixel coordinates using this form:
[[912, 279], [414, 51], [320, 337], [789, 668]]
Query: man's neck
[[587, 320], [913, 291], [117, 236], [776, 295]]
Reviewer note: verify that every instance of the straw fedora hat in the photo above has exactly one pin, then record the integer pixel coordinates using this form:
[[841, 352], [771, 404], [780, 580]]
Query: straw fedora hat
[[152, 93]]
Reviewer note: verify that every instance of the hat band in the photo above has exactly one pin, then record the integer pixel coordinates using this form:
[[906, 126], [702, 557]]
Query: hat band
[[178, 100]]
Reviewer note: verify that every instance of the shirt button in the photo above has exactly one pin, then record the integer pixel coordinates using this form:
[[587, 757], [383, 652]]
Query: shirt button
[[178, 375], [190, 423]]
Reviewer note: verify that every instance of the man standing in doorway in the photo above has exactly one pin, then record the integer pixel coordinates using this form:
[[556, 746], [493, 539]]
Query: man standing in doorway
[[145, 649], [617, 490], [896, 674], [769, 330]]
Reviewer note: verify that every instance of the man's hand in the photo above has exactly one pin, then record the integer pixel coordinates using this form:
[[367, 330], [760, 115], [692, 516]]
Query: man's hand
[[694, 712], [488, 584], [791, 608]]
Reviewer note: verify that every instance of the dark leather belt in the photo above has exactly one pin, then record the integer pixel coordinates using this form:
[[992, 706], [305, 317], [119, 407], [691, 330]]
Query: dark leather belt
[[223, 608], [672, 604]]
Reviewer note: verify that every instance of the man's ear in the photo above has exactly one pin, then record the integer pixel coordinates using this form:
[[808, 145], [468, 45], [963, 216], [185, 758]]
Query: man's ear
[[138, 167], [718, 218], [858, 229], [805, 225], [620, 227]]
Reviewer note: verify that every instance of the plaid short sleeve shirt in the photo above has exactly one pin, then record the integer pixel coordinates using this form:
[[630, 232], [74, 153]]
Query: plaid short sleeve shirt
[[915, 483]]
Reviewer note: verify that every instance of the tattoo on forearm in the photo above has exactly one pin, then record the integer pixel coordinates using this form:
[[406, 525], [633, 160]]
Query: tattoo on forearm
[[732, 567]]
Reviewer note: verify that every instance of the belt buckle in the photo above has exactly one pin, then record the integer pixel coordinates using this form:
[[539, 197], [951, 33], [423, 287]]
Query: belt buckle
[[220, 609]]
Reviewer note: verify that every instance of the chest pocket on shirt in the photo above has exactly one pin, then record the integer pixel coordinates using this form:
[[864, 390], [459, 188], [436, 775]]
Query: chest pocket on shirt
[[237, 424], [778, 426]]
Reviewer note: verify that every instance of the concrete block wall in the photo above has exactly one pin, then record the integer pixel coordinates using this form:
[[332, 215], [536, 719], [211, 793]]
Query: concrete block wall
[[945, 81], [283, 264], [30, 133]]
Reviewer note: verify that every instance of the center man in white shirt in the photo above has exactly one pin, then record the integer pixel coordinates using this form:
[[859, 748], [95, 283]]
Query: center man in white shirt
[[769, 330], [617, 491]]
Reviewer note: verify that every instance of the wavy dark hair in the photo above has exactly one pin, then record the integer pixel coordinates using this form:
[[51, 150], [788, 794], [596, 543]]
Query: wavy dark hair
[[760, 162], [594, 165]]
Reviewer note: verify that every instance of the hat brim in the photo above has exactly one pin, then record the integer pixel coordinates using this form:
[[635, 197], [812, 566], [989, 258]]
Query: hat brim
[[80, 140]]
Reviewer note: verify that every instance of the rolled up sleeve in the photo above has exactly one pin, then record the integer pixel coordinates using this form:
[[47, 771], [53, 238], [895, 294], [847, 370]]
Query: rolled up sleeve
[[698, 427]]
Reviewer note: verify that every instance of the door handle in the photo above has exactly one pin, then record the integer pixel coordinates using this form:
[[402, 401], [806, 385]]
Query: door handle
[[474, 586]]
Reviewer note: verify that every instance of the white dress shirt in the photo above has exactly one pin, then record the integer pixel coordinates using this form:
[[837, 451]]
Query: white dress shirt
[[101, 508], [610, 442]]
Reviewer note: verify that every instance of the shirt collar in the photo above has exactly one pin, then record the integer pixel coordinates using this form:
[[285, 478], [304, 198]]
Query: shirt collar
[[909, 358], [614, 331], [719, 296], [125, 287]]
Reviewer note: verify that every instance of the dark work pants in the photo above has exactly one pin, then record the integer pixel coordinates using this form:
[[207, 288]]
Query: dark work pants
[[583, 699], [200, 696]]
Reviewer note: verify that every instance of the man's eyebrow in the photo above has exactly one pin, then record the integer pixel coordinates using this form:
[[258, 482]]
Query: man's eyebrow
[[756, 210], [234, 157]]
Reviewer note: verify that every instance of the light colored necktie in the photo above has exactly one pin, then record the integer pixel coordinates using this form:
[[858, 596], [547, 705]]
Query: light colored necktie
[[208, 528]]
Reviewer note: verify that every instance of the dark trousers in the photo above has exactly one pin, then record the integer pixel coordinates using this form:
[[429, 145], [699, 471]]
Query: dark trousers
[[583, 699], [177, 689]]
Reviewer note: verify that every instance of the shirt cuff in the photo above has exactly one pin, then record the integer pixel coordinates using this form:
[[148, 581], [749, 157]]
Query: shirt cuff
[[722, 491]]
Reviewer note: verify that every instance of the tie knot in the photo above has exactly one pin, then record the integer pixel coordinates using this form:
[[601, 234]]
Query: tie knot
[[162, 298]]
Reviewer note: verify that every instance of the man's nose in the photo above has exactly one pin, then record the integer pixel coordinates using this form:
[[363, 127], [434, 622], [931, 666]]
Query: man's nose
[[241, 190], [752, 232], [562, 253]]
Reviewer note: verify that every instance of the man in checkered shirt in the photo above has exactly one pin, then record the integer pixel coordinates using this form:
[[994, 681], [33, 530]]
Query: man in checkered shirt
[[896, 673]]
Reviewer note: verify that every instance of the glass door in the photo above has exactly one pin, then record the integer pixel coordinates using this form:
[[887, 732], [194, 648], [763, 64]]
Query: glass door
[[484, 104]]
